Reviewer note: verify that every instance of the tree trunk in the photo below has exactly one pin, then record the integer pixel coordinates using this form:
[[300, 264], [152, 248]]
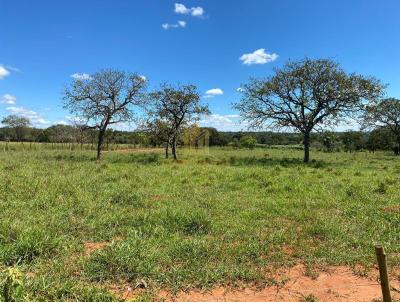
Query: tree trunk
[[100, 143], [167, 150], [174, 148], [397, 148], [306, 142]]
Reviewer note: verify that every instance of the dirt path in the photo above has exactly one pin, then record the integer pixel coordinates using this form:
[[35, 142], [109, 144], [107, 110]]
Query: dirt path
[[336, 284]]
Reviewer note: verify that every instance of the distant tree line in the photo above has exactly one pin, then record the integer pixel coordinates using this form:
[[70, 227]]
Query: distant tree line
[[349, 141]]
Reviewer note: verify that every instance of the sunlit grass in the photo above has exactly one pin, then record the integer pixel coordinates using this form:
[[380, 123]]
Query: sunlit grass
[[219, 217]]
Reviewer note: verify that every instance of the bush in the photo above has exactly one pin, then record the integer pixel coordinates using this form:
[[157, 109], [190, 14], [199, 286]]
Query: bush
[[248, 141]]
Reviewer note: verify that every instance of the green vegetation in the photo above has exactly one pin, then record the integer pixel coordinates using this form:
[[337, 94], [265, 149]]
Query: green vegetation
[[226, 217]]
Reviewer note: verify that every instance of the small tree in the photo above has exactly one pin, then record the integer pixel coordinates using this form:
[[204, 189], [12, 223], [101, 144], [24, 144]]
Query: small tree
[[18, 124], [160, 133], [386, 114], [175, 107], [190, 135], [330, 141], [353, 140], [305, 94], [248, 141], [104, 99], [380, 138]]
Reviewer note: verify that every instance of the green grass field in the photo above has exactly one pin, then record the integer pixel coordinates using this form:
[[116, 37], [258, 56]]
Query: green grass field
[[227, 217]]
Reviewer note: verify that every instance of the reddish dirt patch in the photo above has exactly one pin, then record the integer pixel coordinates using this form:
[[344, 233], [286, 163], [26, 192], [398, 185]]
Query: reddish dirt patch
[[125, 292], [30, 275], [392, 209], [91, 247], [159, 197], [336, 284]]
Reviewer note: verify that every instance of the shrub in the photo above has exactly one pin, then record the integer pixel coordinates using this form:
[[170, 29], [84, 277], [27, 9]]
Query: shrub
[[248, 141]]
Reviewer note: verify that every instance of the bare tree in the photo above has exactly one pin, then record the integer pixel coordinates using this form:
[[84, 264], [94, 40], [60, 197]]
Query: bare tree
[[385, 113], [104, 99], [305, 94], [175, 107], [18, 124]]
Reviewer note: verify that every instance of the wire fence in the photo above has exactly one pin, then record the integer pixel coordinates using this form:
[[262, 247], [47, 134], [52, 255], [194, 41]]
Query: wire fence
[[38, 146]]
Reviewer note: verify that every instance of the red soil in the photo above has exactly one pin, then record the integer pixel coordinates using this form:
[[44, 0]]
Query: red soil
[[91, 247], [336, 284]]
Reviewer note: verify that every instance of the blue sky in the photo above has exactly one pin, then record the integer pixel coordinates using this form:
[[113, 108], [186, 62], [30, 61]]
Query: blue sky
[[43, 43]]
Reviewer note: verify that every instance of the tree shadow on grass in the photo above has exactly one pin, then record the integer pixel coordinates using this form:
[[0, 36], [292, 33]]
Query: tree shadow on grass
[[70, 157], [266, 161], [139, 158]]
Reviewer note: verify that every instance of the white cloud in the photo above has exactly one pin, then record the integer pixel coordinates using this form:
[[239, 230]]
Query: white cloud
[[258, 57], [194, 11], [3, 72], [8, 99], [74, 120], [62, 122], [222, 122], [213, 92], [181, 9], [22, 111], [240, 90], [168, 26], [197, 11], [40, 121], [35, 118], [124, 126], [181, 24], [81, 76]]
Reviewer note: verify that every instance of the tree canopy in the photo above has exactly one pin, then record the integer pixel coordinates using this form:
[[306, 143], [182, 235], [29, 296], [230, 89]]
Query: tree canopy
[[104, 99], [18, 124], [303, 95], [385, 113], [175, 107]]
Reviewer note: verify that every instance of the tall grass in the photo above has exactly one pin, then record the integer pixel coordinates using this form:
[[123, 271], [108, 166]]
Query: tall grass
[[219, 217]]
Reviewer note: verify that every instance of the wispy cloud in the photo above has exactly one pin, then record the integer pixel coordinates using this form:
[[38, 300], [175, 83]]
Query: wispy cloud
[[81, 76], [213, 92], [13, 68], [61, 122], [259, 56], [8, 99], [222, 122], [180, 24], [194, 11], [34, 117], [3, 72]]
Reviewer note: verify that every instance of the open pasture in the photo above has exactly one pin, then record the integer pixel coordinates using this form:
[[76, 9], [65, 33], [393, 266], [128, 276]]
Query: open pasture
[[74, 229]]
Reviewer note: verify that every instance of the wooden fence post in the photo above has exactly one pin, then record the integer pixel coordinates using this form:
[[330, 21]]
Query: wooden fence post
[[383, 273]]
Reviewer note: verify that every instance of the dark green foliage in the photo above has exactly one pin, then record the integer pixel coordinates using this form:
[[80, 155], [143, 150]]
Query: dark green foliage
[[248, 141]]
